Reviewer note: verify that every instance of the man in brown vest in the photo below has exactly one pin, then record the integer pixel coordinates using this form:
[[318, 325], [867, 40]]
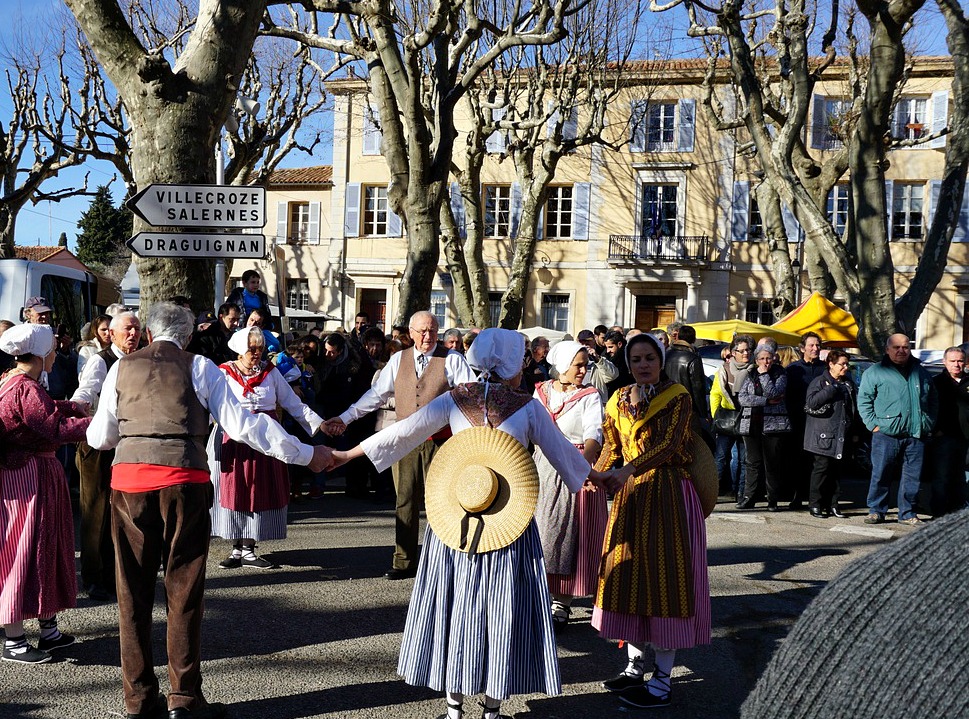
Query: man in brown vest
[[154, 410], [413, 377], [94, 467]]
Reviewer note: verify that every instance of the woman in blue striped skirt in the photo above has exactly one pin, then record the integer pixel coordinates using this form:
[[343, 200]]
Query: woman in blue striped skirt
[[480, 623]]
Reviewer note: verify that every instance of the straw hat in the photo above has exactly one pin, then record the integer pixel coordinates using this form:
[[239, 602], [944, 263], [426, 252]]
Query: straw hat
[[703, 472], [481, 490]]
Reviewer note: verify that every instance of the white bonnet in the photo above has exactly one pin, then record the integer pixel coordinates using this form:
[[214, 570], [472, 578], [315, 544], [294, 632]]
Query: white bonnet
[[562, 354], [497, 351], [28, 339], [239, 341]]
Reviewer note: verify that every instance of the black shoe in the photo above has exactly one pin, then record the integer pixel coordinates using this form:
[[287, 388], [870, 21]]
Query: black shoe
[[230, 562], [257, 562], [98, 593], [745, 503], [394, 573], [31, 655], [772, 507], [816, 512], [63, 640], [837, 513], [206, 711], [642, 698], [623, 682], [159, 710], [795, 505]]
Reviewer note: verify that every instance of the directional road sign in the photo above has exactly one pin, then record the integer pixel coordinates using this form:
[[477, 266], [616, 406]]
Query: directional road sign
[[197, 246], [219, 206]]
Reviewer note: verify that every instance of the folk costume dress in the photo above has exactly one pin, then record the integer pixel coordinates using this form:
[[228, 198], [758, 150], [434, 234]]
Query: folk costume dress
[[37, 573], [571, 525], [654, 586], [252, 489], [481, 624]]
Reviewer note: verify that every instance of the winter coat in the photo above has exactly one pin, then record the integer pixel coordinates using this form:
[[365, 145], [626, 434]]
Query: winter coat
[[759, 415], [829, 433], [897, 405], [683, 365]]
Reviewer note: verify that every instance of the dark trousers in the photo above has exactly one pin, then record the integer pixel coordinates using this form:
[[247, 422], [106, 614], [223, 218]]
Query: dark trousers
[[945, 468], [169, 526], [886, 453], [731, 479], [825, 482], [765, 466], [97, 549], [409, 474]]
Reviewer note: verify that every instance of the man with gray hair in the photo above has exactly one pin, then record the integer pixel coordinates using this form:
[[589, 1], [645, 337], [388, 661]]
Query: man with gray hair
[[413, 377], [454, 340], [94, 466], [154, 412], [950, 436]]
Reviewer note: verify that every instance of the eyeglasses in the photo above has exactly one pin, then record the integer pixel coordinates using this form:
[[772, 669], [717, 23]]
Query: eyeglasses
[[424, 333], [742, 351]]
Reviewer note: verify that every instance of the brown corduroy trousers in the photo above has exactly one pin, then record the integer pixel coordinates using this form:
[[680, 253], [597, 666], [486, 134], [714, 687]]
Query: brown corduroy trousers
[[409, 473], [168, 526]]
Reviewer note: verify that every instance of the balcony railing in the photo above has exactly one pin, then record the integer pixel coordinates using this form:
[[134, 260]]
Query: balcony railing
[[672, 249]]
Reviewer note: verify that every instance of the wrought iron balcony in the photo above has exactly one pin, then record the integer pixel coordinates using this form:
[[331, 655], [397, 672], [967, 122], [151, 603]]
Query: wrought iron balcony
[[689, 250]]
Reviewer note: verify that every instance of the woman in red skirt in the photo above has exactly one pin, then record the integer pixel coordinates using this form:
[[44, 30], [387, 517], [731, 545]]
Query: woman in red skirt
[[37, 575]]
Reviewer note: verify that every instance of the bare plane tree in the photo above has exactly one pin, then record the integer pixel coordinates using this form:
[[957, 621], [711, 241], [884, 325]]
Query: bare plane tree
[[422, 60], [770, 63]]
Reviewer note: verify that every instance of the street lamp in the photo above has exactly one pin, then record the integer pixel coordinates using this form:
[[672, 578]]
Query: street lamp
[[796, 271]]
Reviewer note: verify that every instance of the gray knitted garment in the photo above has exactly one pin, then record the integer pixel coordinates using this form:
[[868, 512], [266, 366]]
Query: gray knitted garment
[[888, 637]]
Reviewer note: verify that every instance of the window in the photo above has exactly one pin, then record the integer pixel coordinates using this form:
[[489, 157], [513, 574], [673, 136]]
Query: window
[[494, 307], [299, 222], [829, 116], [759, 311], [660, 127], [439, 307], [755, 229], [375, 211], [659, 211], [837, 208], [497, 211], [910, 118], [558, 213], [907, 211], [555, 312], [298, 294]]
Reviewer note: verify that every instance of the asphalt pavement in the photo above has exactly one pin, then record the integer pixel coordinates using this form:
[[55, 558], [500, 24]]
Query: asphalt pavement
[[319, 636]]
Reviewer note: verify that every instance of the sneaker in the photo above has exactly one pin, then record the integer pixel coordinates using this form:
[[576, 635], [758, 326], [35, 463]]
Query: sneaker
[[256, 562], [30, 655], [911, 521], [623, 682], [231, 562], [641, 697], [874, 518], [61, 641]]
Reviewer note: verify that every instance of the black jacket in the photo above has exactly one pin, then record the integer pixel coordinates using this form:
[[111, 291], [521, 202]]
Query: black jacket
[[684, 366], [211, 343], [828, 431], [800, 375]]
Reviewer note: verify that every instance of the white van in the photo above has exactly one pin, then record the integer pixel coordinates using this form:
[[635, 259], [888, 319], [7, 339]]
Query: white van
[[71, 293]]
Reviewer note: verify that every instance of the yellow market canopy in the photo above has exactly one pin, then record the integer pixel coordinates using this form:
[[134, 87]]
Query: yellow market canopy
[[724, 330], [816, 314]]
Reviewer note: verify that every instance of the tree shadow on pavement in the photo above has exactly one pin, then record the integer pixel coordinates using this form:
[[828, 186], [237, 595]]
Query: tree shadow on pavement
[[776, 563], [331, 702]]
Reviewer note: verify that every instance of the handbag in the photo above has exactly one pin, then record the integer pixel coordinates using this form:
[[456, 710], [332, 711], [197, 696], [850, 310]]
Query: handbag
[[727, 421]]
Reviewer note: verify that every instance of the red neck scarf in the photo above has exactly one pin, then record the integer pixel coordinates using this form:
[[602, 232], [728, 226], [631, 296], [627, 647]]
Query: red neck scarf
[[248, 383]]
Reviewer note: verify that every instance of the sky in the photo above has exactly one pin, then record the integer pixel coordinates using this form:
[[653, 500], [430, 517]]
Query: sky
[[43, 223]]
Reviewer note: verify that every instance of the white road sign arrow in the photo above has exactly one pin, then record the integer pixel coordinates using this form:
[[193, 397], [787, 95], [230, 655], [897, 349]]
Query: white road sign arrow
[[215, 206], [197, 246]]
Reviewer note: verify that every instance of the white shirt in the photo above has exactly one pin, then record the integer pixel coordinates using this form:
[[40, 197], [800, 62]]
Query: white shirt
[[456, 369], [529, 424], [580, 422], [257, 430], [92, 379], [275, 390]]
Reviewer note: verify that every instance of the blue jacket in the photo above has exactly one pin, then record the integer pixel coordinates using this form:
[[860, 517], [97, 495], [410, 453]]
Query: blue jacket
[[897, 406]]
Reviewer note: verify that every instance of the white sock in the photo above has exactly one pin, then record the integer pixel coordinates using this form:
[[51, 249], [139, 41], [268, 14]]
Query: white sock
[[455, 705], [660, 683], [248, 552], [236, 553], [16, 645], [48, 628], [492, 708], [636, 666]]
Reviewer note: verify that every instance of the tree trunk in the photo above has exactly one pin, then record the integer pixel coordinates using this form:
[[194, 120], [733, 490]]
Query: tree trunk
[[456, 267], [779, 246], [513, 301], [8, 223], [470, 183], [423, 253]]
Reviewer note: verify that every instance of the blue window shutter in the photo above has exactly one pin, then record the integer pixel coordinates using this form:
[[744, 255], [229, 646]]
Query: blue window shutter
[[371, 132], [581, 203], [540, 226], [516, 209], [637, 126], [351, 216], [496, 140], [571, 129], [791, 226], [457, 209], [687, 128], [940, 116], [740, 221], [889, 204], [282, 221], [552, 119], [394, 224], [819, 122], [962, 229], [900, 118], [313, 234]]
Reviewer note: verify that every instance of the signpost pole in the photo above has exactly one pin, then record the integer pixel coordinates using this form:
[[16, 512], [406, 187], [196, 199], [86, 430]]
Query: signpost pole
[[219, 264]]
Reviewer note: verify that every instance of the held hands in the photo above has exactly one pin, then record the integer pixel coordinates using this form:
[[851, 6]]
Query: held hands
[[612, 479], [321, 458], [337, 459], [334, 427]]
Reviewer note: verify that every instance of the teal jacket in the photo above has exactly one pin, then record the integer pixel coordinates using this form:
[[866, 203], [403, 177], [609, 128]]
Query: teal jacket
[[899, 407]]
